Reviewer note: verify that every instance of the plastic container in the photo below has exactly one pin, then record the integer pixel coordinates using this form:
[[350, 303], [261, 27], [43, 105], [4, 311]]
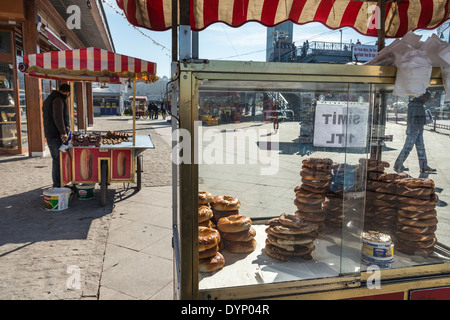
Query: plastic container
[[57, 199], [377, 248], [85, 191]]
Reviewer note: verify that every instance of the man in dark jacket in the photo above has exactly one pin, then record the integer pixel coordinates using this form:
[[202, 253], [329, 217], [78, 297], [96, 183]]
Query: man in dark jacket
[[414, 135], [56, 126]]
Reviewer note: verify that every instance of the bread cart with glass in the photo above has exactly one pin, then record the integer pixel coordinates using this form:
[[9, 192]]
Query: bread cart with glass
[[97, 157], [368, 242]]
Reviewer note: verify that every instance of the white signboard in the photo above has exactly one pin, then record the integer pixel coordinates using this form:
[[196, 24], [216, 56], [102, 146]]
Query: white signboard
[[364, 53], [341, 125]]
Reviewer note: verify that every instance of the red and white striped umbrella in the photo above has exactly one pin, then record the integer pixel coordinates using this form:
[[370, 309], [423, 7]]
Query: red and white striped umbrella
[[87, 64], [401, 16]]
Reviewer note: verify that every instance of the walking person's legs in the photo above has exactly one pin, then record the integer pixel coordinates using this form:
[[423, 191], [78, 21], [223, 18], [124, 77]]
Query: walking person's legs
[[411, 138], [422, 155]]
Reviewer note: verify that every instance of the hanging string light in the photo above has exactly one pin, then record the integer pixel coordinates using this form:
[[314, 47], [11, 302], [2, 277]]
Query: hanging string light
[[120, 13]]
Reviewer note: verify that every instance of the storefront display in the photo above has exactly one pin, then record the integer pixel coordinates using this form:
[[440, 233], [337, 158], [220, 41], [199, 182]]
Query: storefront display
[[303, 223], [12, 109]]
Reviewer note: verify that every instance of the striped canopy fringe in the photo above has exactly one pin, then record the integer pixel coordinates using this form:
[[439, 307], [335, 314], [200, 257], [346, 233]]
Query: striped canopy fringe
[[401, 16], [88, 64]]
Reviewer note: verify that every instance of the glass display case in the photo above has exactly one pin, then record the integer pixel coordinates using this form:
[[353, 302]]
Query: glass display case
[[286, 183], [13, 121]]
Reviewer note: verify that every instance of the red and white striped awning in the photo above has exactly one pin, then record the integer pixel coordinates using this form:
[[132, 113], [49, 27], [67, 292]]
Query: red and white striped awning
[[87, 64], [401, 15]]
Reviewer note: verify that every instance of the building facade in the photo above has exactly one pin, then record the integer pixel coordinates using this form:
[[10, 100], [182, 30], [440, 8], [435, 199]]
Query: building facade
[[33, 26]]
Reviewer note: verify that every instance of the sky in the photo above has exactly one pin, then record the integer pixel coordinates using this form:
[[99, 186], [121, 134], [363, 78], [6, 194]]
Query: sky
[[218, 41]]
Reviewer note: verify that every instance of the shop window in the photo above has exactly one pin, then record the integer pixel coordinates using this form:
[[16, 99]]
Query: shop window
[[8, 129]]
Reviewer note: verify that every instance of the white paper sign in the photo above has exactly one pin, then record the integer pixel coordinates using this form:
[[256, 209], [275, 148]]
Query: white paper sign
[[341, 125]]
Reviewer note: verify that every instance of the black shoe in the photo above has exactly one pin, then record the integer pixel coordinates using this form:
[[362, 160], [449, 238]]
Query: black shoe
[[428, 170], [401, 169]]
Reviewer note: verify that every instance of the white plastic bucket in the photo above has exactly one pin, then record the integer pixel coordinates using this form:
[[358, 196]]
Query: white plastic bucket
[[85, 191], [57, 199]]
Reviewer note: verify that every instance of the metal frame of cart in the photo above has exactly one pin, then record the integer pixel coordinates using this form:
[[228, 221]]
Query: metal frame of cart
[[403, 283], [107, 163]]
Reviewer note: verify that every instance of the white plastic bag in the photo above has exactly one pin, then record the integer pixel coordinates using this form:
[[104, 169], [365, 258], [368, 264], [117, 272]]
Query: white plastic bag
[[413, 73]]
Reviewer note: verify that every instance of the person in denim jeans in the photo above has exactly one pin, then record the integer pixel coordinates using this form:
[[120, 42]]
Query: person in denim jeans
[[56, 126], [414, 135]]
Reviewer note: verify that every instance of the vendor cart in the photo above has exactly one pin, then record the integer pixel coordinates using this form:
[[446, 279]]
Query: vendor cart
[[97, 157], [141, 107], [350, 256]]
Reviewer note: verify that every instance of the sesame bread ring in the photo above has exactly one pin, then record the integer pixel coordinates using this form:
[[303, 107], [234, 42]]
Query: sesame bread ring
[[299, 240], [234, 223], [392, 176], [211, 264], [418, 244], [309, 200], [316, 170], [314, 208], [240, 246], [414, 236], [271, 239], [300, 192], [207, 238], [317, 162], [315, 176], [418, 215], [416, 182], [316, 183], [273, 222], [207, 223], [415, 208], [309, 188], [287, 233], [374, 162], [290, 220], [419, 192], [433, 199], [220, 214], [305, 229], [242, 236], [296, 251], [225, 203], [211, 252], [274, 253], [204, 213], [205, 197], [309, 216], [409, 229], [418, 222]]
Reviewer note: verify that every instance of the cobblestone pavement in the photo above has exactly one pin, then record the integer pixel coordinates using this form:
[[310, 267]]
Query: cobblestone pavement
[[42, 252]]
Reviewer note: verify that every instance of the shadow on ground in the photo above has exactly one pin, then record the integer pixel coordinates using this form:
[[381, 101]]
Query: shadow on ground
[[23, 218]]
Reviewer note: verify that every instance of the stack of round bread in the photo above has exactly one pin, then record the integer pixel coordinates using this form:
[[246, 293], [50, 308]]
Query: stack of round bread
[[289, 236], [375, 168], [381, 209], [416, 220], [333, 207], [210, 259], [316, 174], [238, 233], [205, 213], [223, 206]]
